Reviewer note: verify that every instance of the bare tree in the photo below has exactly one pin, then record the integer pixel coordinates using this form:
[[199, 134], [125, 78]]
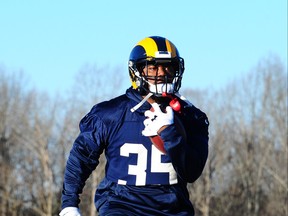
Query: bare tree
[[37, 141], [30, 154], [246, 173], [259, 136], [11, 96]]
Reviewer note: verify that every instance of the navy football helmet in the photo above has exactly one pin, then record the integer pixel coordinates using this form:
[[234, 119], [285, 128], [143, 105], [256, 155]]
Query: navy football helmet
[[156, 51]]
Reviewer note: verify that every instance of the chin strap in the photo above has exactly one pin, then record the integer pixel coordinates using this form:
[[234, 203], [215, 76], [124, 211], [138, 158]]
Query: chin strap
[[133, 109], [174, 103]]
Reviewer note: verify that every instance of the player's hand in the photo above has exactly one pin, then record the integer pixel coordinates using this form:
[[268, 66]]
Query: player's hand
[[70, 211], [157, 119]]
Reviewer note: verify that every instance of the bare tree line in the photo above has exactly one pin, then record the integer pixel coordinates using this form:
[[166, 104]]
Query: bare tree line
[[246, 173]]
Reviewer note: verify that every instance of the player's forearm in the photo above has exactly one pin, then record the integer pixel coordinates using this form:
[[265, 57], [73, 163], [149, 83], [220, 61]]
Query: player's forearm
[[188, 158], [79, 167]]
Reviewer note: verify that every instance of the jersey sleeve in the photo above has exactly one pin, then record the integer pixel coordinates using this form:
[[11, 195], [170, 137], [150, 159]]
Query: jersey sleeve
[[83, 158], [189, 154]]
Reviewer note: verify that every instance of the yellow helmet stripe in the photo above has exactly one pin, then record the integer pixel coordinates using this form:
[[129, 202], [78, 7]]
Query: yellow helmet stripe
[[170, 48], [149, 45]]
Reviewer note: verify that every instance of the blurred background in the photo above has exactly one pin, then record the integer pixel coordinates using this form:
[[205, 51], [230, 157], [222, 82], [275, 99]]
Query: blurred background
[[58, 59]]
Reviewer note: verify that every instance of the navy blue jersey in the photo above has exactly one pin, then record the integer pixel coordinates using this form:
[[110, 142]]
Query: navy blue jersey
[[137, 173]]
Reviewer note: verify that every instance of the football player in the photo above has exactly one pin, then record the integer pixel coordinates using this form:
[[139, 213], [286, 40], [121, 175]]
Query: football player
[[143, 175]]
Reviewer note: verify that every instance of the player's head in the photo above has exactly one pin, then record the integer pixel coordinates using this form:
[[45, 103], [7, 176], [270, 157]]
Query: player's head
[[155, 66]]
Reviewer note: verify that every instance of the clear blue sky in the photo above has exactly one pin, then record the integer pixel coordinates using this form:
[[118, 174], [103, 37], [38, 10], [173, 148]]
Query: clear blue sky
[[219, 40]]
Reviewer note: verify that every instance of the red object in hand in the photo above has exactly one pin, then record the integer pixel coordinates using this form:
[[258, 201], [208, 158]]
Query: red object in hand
[[174, 103], [159, 143]]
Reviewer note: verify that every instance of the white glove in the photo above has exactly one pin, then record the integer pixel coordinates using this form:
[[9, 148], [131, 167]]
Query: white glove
[[157, 119], [70, 211]]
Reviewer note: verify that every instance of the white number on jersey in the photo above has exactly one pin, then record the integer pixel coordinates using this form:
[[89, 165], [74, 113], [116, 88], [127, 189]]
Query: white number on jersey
[[139, 170]]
